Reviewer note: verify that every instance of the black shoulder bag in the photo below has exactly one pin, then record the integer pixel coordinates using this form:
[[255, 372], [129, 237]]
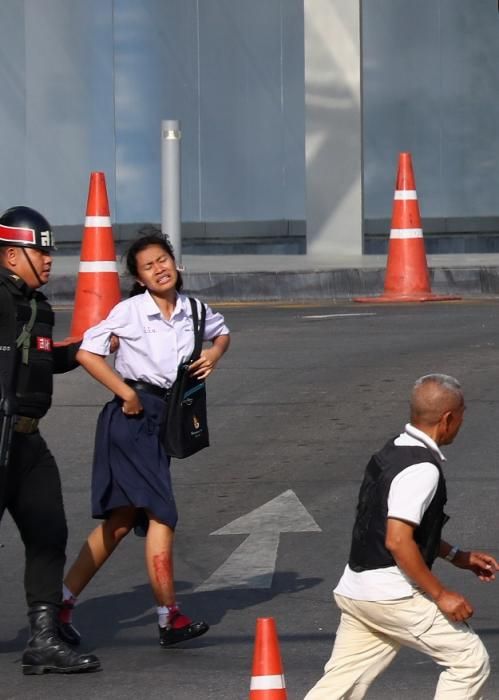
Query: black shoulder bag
[[186, 428]]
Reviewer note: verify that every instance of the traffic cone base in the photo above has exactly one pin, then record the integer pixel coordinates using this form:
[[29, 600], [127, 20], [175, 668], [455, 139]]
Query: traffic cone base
[[267, 679], [407, 278], [403, 299]]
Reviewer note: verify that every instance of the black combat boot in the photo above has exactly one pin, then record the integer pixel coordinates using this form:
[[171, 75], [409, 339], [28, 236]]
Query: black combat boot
[[46, 652]]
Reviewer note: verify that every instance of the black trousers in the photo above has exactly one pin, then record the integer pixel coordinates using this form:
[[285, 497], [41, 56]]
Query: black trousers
[[31, 492]]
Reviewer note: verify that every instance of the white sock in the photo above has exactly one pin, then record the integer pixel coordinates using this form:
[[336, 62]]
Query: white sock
[[67, 595], [164, 613]]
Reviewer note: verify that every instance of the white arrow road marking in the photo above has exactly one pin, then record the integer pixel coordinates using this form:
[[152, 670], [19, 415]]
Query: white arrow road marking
[[252, 564]]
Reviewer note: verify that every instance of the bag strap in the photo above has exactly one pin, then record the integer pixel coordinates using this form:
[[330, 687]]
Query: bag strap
[[199, 326], [23, 340]]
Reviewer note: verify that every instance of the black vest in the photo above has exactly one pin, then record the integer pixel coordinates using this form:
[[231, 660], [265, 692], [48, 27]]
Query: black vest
[[368, 549], [33, 380]]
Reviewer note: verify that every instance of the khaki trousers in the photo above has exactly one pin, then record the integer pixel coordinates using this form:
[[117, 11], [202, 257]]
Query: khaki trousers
[[371, 633]]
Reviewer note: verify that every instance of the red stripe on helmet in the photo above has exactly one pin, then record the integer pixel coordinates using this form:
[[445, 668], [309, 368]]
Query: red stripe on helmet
[[14, 234]]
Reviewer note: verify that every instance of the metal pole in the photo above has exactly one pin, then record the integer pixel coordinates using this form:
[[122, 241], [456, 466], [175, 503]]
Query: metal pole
[[170, 185]]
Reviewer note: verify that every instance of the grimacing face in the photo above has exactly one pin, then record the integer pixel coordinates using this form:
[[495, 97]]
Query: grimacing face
[[156, 269]]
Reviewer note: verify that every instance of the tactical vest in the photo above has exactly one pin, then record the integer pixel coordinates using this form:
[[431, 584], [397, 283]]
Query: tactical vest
[[368, 549], [34, 366]]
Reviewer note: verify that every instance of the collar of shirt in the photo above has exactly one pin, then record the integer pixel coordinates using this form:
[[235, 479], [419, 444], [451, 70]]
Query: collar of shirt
[[425, 439], [152, 309]]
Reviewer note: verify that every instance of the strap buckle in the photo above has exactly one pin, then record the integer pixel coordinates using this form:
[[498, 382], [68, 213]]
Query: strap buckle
[[25, 424]]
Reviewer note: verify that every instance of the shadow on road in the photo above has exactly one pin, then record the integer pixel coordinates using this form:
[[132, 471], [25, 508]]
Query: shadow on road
[[100, 620]]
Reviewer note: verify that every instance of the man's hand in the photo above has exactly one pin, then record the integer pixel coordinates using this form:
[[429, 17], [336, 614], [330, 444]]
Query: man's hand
[[400, 542], [481, 564], [453, 605], [67, 341], [114, 343]]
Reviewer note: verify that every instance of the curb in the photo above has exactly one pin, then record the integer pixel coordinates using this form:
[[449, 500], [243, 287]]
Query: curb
[[333, 284]]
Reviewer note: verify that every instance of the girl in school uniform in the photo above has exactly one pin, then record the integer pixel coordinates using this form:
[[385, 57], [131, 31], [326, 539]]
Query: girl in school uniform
[[131, 484]]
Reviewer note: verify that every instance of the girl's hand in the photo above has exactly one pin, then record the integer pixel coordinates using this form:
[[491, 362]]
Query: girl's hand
[[207, 362], [132, 405]]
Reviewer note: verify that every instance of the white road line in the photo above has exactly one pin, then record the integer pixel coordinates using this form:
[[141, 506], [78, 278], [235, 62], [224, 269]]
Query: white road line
[[339, 315]]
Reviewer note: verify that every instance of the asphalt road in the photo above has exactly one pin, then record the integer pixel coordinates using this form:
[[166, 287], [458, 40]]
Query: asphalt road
[[305, 394]]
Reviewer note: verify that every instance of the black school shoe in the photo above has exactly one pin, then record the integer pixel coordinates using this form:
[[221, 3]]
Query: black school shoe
[[180, 629], [67, 631]]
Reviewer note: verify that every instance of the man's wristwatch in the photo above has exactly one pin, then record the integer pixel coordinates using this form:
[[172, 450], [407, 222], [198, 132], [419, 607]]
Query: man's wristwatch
[[451, 554]]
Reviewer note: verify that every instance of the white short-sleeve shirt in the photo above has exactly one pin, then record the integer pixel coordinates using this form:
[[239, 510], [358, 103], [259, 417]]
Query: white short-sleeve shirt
[[411, 492], [151, 347]]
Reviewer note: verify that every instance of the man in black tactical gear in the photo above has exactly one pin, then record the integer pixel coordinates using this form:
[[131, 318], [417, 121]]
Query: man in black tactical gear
[[30, 487]]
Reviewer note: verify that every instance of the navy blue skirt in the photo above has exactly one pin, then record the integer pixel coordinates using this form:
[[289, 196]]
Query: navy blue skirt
[[131, 467]]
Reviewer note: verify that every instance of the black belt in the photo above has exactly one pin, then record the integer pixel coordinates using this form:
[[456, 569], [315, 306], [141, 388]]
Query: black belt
[[149, 388]]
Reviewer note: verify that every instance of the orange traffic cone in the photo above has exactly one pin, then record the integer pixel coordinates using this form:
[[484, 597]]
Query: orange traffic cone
[[406, 277], [98, 286], [267, 679]]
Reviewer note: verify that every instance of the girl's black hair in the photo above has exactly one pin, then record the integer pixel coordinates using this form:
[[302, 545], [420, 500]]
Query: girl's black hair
[[150, 236]]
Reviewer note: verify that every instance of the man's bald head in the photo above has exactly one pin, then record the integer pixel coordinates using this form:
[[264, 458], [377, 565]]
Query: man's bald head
[[432, 396]]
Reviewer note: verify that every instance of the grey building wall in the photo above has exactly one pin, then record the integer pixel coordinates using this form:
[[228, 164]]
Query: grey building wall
[[86, 83], [431, 87], [57, 106]]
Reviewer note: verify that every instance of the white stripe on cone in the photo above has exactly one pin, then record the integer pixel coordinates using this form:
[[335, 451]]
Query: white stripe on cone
[[406, 233], [99, 266], [98, 221], [267, 682], [405, 194]]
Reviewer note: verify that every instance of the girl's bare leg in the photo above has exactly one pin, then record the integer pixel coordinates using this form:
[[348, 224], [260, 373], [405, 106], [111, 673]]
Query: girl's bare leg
[[159, 561], [174, 626], [100, 544]]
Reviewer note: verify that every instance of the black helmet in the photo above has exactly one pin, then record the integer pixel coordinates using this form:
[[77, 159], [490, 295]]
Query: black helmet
[[27, 228]]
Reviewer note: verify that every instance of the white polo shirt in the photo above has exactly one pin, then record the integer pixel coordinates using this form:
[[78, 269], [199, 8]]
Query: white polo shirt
[[151, 347], [411, 492]]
